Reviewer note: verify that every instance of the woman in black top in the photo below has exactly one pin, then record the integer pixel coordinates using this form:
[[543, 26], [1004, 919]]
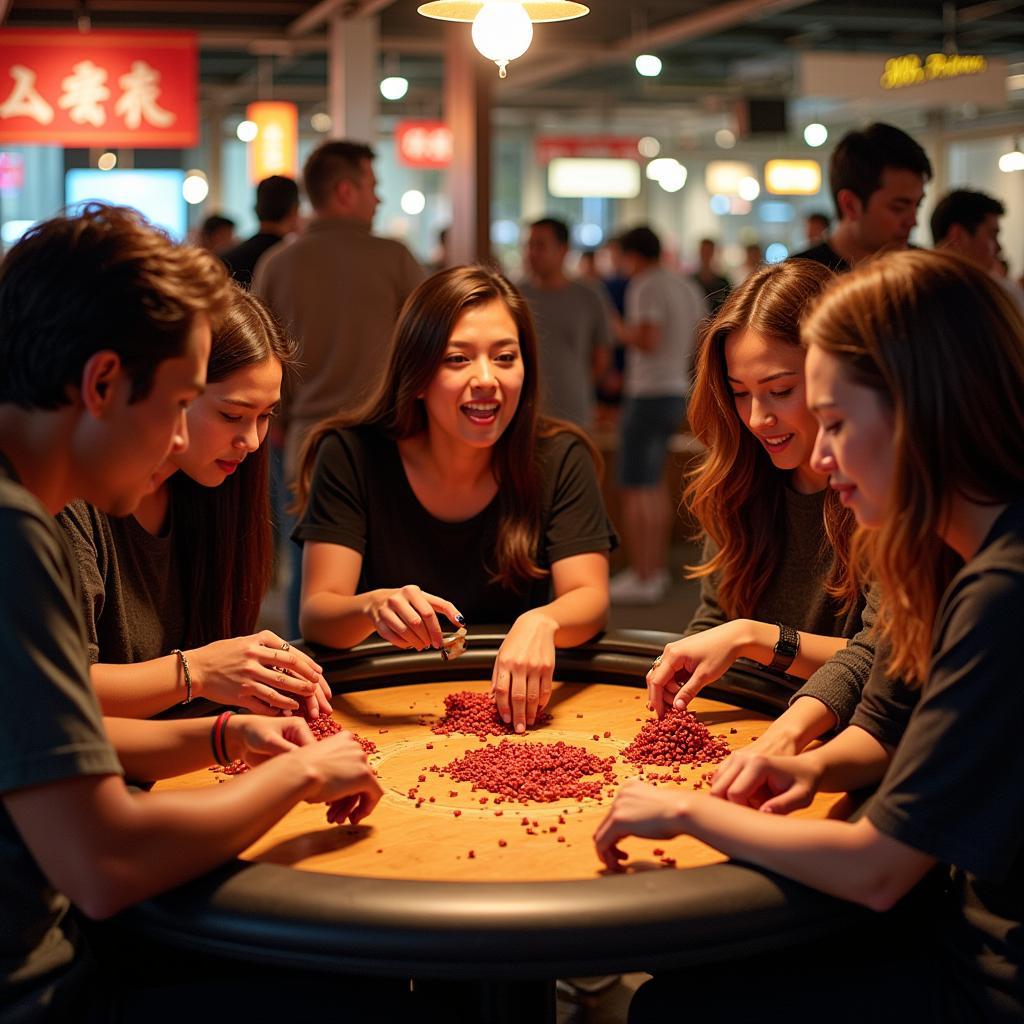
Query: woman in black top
[[915, 371], [447, 493]]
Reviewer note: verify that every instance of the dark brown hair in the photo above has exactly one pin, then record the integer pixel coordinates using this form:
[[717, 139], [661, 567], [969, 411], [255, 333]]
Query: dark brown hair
[[420, 339], [105, 279], [331, 162], [222, 535], [861, 158], [735, 493], [943, 345]]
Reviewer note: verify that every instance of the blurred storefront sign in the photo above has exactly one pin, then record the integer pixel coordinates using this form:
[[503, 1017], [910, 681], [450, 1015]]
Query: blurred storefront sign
[[424, 144], [12, 172], [907, 79], [611, 147], [601, 177], [109, 89], [792, 177], [275, 149]]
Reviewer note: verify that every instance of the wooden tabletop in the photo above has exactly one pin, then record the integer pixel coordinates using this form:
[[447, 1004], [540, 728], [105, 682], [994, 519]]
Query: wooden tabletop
[[430, 842]]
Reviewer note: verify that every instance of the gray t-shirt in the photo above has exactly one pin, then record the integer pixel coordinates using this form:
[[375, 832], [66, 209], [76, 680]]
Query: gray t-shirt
[[677, 306], [131, 587], [572, 323], [52, 731], [796, 596]]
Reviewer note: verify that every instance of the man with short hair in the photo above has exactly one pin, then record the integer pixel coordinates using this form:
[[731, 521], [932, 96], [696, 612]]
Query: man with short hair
[[572, 325], [277, 207], [816, 226], [663, 312], [877, 177], [967, 223], [216, 232], [105, 329], [715, 287], [338, 289]]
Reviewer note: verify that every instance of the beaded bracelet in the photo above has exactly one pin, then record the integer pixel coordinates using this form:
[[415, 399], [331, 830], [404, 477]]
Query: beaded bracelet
[[186, 673], [217, 738]]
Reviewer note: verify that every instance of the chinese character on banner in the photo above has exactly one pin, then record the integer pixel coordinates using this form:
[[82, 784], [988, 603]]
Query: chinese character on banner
[[426, 144], [135, 89]]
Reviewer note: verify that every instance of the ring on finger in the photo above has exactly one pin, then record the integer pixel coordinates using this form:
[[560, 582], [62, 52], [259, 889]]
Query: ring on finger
[[656, 662], [285, 646]]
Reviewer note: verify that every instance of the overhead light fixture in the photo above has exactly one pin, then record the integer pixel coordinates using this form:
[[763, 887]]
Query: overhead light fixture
[[247, 131], [503, 29], [107, 161], [668, 173], [725, 139], [394, 87], [1013, 160], [648, 65], [815, 134], [648, 146], [195, 188]]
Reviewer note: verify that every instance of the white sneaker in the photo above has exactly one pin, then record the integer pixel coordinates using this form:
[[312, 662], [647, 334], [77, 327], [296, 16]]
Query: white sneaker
[[628, 588]]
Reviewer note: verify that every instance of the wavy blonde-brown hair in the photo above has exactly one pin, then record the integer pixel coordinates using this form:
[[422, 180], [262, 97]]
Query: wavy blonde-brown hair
[[943, 345], [735, 493], [418, 346]]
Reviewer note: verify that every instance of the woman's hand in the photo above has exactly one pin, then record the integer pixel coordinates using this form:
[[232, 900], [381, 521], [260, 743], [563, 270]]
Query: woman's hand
[[407, 616], [777, 785], [259, 673], [521, 679], [345, 779], [686, 666], [641, 810], [256, 738]]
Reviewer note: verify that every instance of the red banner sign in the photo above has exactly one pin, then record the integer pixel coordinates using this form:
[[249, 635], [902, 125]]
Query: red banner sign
[[106, 89], [424, 144], [553, 147]]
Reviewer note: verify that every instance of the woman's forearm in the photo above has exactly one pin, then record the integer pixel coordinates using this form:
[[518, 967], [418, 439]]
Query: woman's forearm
[[577, 615], [139, 690], [759, 640], [852, 760], [160, 750], [336, 620], [804, 720]]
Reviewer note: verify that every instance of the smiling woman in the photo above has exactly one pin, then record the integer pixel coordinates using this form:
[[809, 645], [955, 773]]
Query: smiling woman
[[446, 495], [163, 588]]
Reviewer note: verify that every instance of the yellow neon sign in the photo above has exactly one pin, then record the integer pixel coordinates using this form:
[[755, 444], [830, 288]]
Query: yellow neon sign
[[909, 69]]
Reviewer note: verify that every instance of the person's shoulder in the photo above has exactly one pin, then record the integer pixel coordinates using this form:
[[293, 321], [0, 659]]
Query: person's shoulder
[[27, 531], [561, 447], [822, 253]]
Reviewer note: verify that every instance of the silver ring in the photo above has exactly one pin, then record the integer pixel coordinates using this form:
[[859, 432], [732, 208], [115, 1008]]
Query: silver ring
[[657, 661], [286, 646]]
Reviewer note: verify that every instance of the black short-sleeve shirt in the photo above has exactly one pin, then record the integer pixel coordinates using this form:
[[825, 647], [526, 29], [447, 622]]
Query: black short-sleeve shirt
[[955, 787], [361, 498], [51, 730]]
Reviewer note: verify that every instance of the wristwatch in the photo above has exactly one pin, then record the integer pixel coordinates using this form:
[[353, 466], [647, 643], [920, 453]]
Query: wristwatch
[[786, 650]]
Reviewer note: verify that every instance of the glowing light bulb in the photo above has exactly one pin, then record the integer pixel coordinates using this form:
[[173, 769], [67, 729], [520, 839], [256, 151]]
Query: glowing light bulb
[[195, 188], [394, 88], [247, 131], [815, 134], [502, 31]]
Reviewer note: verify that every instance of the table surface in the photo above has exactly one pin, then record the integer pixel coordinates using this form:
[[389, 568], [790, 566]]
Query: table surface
[[401, 840]]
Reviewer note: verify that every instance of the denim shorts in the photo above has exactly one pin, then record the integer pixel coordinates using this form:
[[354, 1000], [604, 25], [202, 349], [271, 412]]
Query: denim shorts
[[646, 426]]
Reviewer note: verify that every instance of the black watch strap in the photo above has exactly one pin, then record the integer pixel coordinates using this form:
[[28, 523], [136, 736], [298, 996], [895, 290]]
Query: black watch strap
[[786, 649]]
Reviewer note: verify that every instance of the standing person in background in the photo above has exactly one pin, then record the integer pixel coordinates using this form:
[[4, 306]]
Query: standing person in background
[[877, 177], [753, 257], [715, 287], [572, 326], [663, 311], [609, 387], [277, 207], [217, 232], [816, 227], [967, 223], [338, 290]]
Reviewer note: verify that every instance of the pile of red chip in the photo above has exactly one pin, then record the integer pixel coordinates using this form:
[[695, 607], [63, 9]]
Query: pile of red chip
[[678, 738], [543, 772], [475, 715]]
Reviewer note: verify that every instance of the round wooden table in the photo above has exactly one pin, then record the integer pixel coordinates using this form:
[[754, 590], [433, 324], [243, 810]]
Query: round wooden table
[[421, 890]]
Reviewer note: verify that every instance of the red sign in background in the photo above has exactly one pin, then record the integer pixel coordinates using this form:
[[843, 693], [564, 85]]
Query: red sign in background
[[552, 147], [135, 89], [426, 144]]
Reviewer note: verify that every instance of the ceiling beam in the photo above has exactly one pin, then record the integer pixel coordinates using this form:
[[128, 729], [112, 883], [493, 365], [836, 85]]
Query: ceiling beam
[[547, 68], [322, 12]]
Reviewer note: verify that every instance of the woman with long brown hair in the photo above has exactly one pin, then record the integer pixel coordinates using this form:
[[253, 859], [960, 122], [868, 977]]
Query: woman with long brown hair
[[775, 580], [171, 593], [915, 372], [448, 494]]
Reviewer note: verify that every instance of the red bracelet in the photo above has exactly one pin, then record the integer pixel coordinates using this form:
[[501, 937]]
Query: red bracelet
[[217, 738]]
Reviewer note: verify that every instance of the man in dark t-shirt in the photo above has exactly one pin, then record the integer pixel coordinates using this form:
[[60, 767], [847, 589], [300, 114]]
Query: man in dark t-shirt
[[877, 177], [277, 206], [105, 340]]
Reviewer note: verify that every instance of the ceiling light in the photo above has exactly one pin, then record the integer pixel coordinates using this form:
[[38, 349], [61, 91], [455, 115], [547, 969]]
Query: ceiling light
[[503, 29], [815, 134], [195, 188], [413, 202], [748, 188], [648, 146], [394, 87], [107, 161], [247, 131], [648, 65], [724, 138]]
